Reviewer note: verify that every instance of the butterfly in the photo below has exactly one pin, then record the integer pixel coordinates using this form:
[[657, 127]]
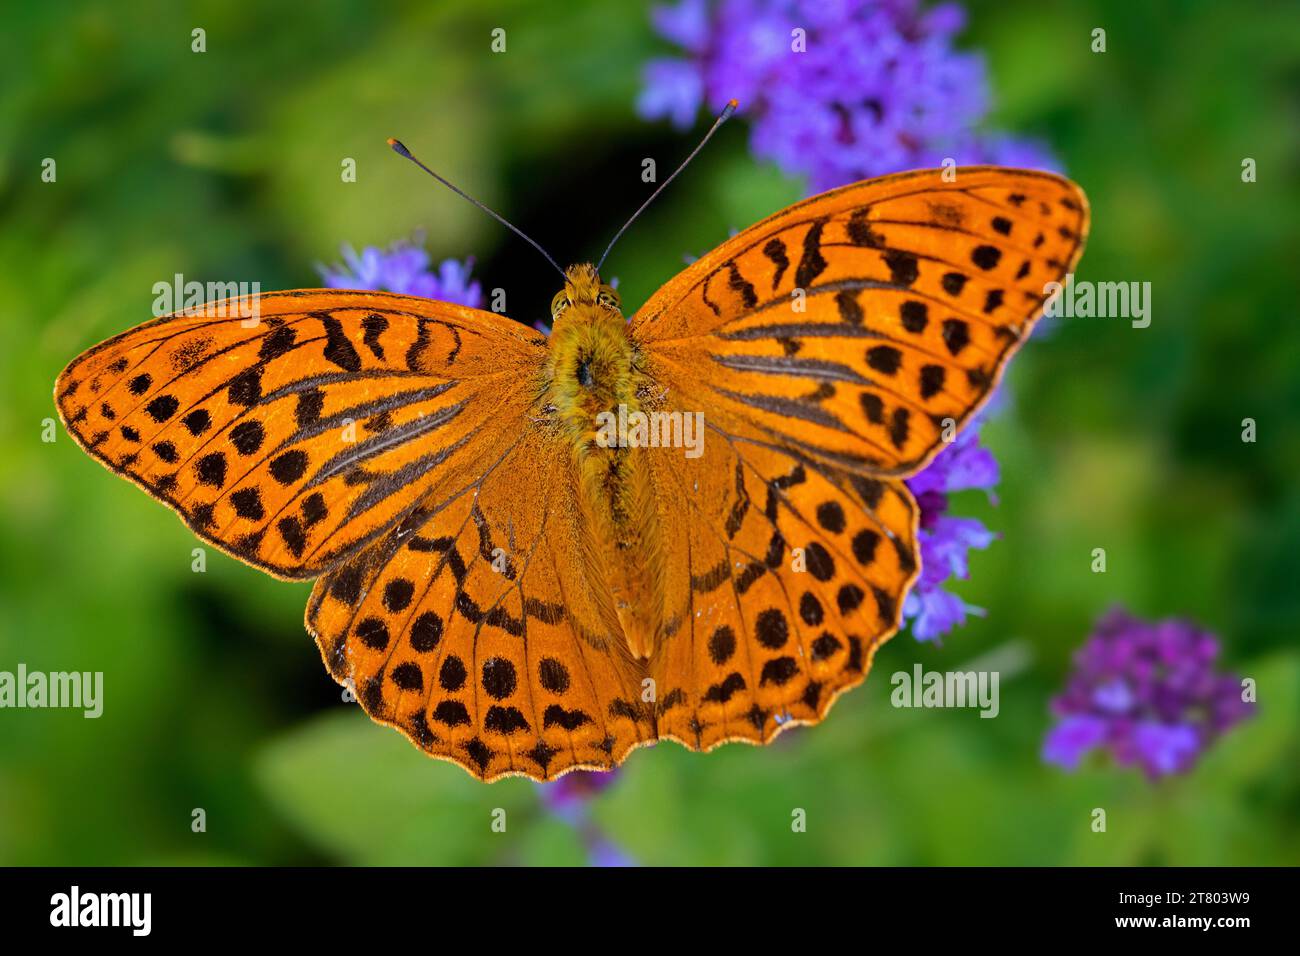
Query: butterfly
[[521, 595]]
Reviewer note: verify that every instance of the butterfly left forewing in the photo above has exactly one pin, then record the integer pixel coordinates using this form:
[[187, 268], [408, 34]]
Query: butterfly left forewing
[[292, 429]]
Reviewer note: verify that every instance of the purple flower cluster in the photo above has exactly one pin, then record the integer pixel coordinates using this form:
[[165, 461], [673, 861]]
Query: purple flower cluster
[[404, 267], [835, 90], [569, 799], [1147, 692], [946, 540]]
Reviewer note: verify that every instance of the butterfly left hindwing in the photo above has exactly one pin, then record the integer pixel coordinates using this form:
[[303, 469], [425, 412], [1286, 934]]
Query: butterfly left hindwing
[[476, 628]]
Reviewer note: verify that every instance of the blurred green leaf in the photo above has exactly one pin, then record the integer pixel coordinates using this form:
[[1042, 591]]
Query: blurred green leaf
[[365, 795]]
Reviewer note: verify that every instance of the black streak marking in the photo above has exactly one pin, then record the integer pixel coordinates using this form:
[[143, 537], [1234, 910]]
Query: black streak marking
[[846, 300], [812, 263], [819, 370], [898, 428], [787, 408], [277, 343], [362, 451], [738, 283], [776, 251], [374, 325], [338, 348]]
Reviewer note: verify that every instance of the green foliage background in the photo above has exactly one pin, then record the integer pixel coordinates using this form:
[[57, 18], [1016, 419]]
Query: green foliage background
[[225, 165]]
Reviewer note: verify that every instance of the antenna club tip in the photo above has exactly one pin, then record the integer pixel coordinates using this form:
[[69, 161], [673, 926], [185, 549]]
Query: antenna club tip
[[398, 148]]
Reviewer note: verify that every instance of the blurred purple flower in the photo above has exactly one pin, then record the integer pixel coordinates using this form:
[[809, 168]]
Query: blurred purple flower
[[568, 799], [1001, 150], [1147, 692], [946, 541], [404, 268], [602, 853], [869, 87]]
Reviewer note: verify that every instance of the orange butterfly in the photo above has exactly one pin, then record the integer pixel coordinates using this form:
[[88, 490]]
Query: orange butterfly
[[518, 594]]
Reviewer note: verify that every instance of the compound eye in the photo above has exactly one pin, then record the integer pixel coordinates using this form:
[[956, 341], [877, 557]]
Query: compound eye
[[559, 304], [608, 298]]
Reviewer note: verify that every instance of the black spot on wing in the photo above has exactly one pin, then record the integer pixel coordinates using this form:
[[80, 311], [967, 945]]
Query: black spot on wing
[[211, 469], [860, 231], [956, 335], [277, 342], [247, 436], [903, 268], [986, 257], [914, 316], [932, 377], [197, 421], [953, 283], [722, 644], [162, 408], [898, 428]]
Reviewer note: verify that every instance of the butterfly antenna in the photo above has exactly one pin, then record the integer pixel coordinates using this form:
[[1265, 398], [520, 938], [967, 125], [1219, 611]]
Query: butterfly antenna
[[401, 150], [722, 118]]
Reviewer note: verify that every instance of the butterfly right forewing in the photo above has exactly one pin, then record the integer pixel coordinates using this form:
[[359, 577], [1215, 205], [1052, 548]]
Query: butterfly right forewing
[[865, 325]]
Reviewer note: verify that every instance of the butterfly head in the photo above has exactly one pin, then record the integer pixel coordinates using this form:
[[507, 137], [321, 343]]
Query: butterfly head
[[591, 367], [583, 289]]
